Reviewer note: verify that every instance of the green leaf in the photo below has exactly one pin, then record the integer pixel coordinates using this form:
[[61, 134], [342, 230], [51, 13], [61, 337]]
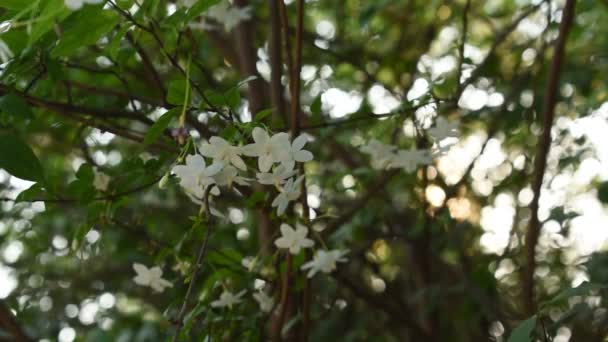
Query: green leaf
[[84, 27], [176, 94], [85, 173], [200, 7], [523, 331], [233, 97], [34, 192], [14, 4], [581, 290], [18, 159], [315, 106], [52, 11], [14, 109], [160, 125], [262, 114]]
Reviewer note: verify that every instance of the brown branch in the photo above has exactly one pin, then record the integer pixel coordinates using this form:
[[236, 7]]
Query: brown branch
[[540, 162], [9, 325], [276, 65]]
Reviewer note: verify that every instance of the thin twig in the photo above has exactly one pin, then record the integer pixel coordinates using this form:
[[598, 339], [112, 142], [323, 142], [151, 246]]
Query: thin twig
[[540, 162], [199, 263]]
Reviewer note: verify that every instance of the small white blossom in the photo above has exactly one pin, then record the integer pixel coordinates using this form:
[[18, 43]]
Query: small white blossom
[[296, 153], [378, 284], [249, 263], [444, 129], [228, 299], [278, 176], [324, 261], [409, 160], [229, 16], [101, 181], [229, 175], [293, 240], [381, 154], [151, 277], [77, 4], [195, 175], [242, 234], [5, 52], [183, 267], [268, 149], [290, 192], [265, 301], [221, 151]]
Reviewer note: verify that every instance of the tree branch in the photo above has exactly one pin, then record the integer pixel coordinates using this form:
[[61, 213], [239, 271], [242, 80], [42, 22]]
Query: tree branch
[[540, 162]]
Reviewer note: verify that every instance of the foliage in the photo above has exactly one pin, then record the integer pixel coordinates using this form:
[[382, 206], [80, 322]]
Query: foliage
[[160, 181]]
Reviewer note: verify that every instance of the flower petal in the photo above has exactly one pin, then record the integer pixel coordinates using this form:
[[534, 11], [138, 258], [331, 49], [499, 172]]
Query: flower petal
[[303, 156], [299, 142], [260, 136]]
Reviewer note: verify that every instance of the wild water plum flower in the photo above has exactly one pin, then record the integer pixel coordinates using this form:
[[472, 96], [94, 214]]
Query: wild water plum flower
[[268, 149], [101, 181], [229, 16], [151, 277], [290, 192], [278, 176], [443, 129], [228, 299], [229, 175], [265, 301], [409, 160], [296, 153], [222, 152], [77, 4], [381, 154], [293, 239], [324, 261], [195, 175]]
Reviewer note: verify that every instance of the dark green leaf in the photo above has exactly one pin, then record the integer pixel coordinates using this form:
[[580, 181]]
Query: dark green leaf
[[160, 125], [83, 28], [176, 94], [18, 159], [523, 331]]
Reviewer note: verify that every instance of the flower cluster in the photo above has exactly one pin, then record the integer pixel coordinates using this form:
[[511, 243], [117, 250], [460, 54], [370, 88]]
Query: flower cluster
[[384, 156], [276, 158]]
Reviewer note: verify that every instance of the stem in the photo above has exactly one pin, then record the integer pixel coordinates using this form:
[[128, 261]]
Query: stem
[[199, 263], [540, 162]]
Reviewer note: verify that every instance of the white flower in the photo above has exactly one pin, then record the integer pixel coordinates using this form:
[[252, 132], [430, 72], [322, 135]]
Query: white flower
[[265, 301], [294, 240], [296, 153], [268, 149], [77, 4], [229, 175], [324, 261], [151, 277], [409, 160], [278, 176], [5, 52], [229, 16], [242, 234], [290, 192], [378, 284], [183, 267], [195, 175], [249, 263], [221, 151], [443, 129], [101, 181], [381, 154], [228, 299]]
